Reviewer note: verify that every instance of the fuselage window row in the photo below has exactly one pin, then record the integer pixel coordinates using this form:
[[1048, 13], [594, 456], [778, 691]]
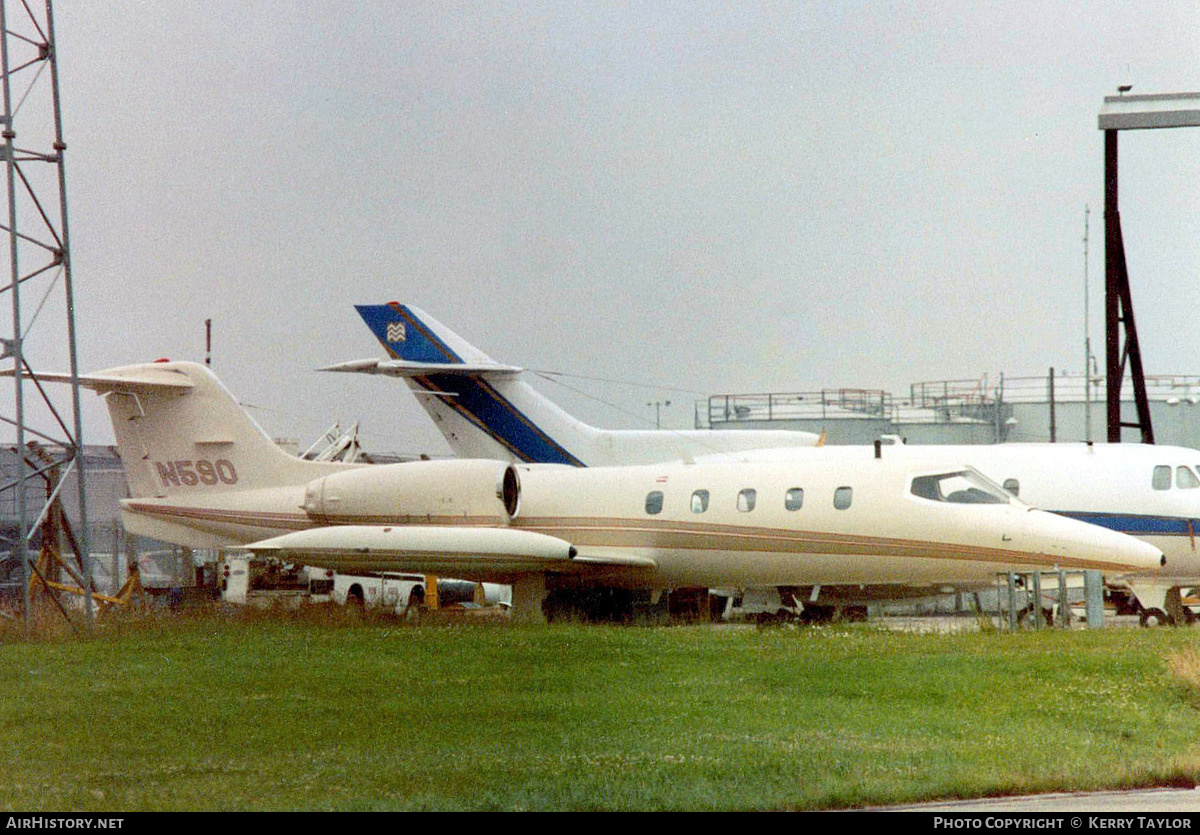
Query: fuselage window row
[[747, 499], [963, 487], [1185, 478]]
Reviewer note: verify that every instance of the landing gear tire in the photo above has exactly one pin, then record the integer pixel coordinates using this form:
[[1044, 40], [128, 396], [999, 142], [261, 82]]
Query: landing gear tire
[[1025, 617], [1154, 617], [779, 618]]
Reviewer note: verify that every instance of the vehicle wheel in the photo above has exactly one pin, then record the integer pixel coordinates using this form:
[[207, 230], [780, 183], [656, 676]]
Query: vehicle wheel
[[1154, 617], [416, 604]]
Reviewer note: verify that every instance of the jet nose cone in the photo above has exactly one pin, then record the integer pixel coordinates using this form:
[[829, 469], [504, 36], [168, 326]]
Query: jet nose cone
[[1121, 549], [1091, 546], [1145, 552], [1134, 552]]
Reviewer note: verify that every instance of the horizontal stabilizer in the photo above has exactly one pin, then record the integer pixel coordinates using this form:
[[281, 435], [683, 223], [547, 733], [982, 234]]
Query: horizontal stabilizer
[[462, 552], [408, 368], [130, 378]]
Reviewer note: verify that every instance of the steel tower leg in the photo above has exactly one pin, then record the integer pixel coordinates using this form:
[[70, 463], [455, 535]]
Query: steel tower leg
[[35, 236], [1119, 311]]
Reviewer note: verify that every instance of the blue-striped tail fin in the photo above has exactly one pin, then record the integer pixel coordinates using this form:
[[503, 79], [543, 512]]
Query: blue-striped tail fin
[[477, 403]]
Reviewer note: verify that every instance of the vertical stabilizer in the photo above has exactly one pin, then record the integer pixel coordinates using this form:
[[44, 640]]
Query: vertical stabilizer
[[181, 433], [479, 405], [484, 411]]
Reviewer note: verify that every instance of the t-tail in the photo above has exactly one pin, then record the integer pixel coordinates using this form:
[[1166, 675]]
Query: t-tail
[[480, 405], [485, 410], [186, 445]]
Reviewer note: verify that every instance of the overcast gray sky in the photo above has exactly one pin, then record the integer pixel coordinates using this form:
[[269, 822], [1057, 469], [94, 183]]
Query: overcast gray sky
[[716, 197]]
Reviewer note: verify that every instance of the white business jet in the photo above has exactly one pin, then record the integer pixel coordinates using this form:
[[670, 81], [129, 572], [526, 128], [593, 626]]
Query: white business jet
[[1147, 491], [202, 474], [1151, 492]]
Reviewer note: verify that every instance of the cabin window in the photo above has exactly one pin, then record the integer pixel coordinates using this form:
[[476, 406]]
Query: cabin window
[[700, 501], [842, 497], [654, 502], [746, 500], [1161, 480], [1013, 486], [1185, 479], [794, 499]]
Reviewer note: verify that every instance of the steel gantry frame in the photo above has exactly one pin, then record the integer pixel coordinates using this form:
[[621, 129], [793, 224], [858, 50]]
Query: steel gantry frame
[[1171, 110], [40, 265]]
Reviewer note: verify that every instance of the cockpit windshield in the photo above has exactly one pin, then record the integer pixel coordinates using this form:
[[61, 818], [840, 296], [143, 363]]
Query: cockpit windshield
[[962, 487]]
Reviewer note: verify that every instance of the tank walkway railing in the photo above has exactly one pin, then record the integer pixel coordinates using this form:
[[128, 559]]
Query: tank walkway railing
[[972, 398], [799, 405]]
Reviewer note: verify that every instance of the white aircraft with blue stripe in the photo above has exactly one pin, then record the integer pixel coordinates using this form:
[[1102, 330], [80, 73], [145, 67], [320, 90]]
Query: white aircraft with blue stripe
[[485, 410]]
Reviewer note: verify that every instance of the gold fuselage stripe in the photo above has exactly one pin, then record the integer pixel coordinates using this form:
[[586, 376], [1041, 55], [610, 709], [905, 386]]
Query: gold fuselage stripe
[[643, 535]]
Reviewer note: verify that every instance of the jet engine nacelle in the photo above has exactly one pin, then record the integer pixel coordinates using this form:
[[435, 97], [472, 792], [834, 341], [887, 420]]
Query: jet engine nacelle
[[420, 491]]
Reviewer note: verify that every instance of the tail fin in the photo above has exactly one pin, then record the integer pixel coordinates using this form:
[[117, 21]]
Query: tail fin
[[180, 432], [407, 333], [479, 405], [484, 411]]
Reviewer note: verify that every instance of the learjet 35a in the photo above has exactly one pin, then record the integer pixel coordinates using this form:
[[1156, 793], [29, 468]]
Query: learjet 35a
[[1151, 492], [202, 474]]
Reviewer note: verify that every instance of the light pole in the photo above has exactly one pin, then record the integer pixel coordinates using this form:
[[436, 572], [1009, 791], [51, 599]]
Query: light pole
[[658, 407]]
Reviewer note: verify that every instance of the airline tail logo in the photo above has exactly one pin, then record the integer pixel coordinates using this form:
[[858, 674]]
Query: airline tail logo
[[396, 332]]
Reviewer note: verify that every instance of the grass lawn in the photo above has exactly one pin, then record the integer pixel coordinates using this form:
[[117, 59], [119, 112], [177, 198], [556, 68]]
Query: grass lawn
[[292, 712]]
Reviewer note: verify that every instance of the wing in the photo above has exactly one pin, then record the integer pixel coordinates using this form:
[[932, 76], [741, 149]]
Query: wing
[[471, 553]]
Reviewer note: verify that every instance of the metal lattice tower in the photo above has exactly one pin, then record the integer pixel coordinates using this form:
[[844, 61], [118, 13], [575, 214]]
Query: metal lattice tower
[[39, 287], [1170, 110]]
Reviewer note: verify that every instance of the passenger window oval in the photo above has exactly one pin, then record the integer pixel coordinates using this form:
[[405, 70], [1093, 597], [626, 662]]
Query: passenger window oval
[[842, 497], [794, 499], [700, 501], [1185, 479], [746, 500]]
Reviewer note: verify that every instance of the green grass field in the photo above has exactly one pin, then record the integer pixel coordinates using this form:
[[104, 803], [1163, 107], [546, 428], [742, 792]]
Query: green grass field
[[209, 712]]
